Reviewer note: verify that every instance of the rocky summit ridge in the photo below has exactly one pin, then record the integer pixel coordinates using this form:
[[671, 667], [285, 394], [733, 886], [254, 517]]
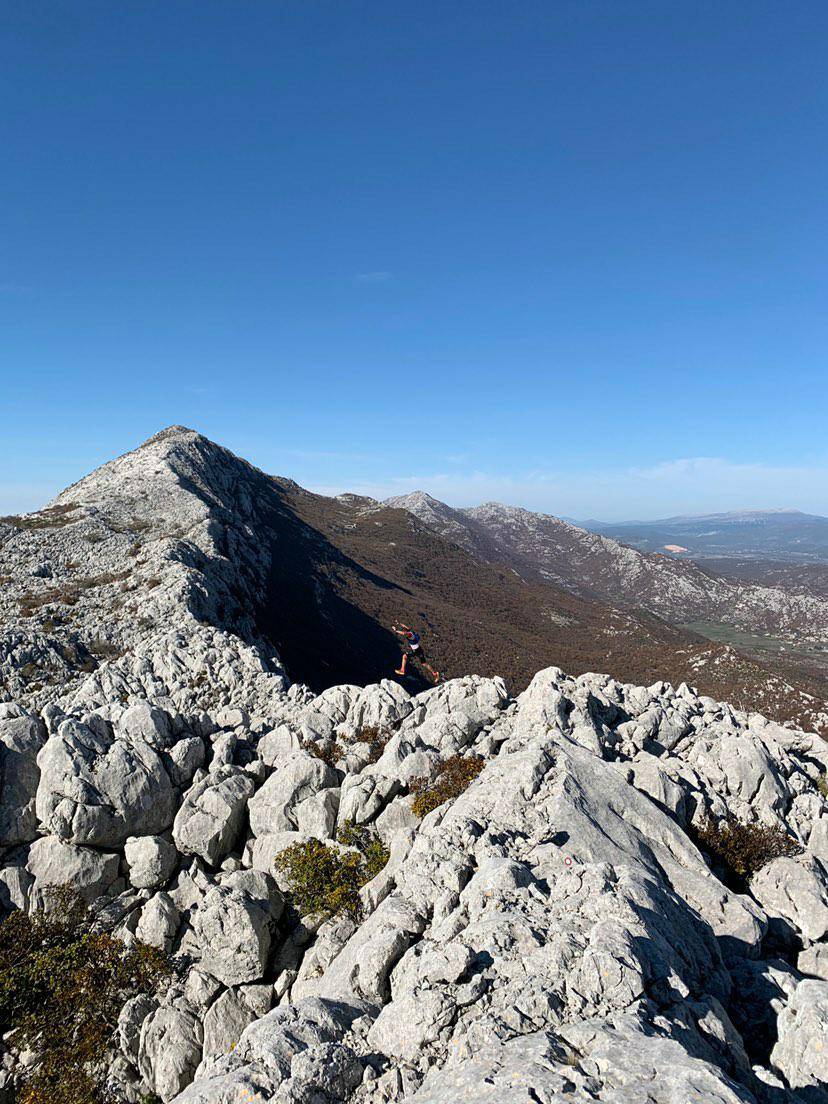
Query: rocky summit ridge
[[554, 933], [563, 929], [180, 536]]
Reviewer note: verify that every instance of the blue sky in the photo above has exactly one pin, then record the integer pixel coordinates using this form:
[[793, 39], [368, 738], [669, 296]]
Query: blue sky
[[571, 254]]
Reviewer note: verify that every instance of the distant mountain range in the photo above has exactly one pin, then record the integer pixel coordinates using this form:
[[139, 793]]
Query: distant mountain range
[[598, 567], [787, 536], [181, 531]]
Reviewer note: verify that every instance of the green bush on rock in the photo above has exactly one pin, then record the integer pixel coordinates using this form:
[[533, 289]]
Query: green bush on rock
[[324, 881], [370, 846], [742, 849], [454, 776], [62, 987]]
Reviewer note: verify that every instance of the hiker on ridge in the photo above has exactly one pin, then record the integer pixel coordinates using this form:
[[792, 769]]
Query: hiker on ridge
[[415, 651]]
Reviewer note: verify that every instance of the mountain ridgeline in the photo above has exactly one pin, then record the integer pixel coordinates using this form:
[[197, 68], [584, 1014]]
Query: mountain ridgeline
[[181, 531], [242, 860]]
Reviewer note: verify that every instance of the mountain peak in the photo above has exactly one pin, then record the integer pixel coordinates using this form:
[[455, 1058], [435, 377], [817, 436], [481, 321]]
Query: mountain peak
[[173, 431], [413, 499], [423, 506]]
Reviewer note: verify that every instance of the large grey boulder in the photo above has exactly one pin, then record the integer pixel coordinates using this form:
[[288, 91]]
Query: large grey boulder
[[148, 724], [234, 932], [814, 961], [210, 818], [262, 1060], [97, 788], [275, 1039], [801, 1053], [364, 796], [451, 715], [278, 744], [297, 778], [326, 1071], [224, 1022], [361, 970], [130, 1021], [21, 739], [16, 883], [184, 758], [795, 891], [347, 712], [316, 815], [158, 922], [152, 861], [620, 1062], [90, 873], [169, 1050]]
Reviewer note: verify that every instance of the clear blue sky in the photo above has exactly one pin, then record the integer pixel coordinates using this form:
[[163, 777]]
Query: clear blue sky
[[566, 253]]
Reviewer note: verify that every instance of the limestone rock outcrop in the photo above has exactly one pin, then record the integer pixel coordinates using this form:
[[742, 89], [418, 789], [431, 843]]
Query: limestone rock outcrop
[[554, 930]]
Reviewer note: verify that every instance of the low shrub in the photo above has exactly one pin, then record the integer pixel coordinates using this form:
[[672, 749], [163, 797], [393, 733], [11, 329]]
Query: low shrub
[[741, 850], [822, 785], [376, 738], [62, 987], [30, 602], [369, 845], [329, 752], [68, 595], [454, 776], [53, 517], [324, 881], [104, 649]]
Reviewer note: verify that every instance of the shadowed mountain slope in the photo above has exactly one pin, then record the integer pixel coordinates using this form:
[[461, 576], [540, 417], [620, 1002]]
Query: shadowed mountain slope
[[182, 532]]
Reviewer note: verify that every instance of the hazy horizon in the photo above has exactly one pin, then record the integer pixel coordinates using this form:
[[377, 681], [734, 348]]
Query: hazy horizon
[[545, 490]]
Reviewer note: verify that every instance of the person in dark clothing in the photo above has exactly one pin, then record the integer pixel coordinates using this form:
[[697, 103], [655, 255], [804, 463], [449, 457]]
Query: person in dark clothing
[[414, 651]]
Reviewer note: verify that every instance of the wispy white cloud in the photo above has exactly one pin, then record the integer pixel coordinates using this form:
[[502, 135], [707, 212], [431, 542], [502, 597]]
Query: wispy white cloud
[[684, 485], [380, 277], [679, 486]]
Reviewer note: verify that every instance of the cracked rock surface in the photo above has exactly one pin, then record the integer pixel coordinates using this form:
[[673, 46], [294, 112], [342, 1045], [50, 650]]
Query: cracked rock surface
[[553, 933]]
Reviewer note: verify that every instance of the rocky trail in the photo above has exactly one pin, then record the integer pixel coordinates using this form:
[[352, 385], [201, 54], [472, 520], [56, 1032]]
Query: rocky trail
[[554, 933]]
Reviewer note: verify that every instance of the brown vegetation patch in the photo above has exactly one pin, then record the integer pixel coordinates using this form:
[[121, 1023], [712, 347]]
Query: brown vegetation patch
[[741, 850], [62, 987], [53, 517], [453, 777]]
